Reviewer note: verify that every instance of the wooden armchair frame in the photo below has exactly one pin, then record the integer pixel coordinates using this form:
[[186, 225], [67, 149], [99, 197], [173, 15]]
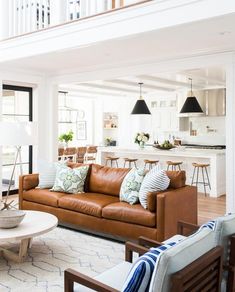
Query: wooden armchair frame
[[211, 261], [71, 276]]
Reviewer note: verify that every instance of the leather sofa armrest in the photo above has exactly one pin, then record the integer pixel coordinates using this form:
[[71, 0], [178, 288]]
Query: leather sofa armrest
[[27, 182], [173, 206], [152, 200]]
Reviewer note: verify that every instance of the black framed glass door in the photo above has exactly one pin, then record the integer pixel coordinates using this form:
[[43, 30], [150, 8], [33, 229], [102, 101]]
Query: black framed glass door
[[17, 105]]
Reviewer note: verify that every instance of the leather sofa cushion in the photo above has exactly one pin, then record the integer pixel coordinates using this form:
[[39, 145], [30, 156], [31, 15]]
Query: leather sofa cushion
[[125, 212], [178, 179], [43, 196], [106, 180], [87, 203]]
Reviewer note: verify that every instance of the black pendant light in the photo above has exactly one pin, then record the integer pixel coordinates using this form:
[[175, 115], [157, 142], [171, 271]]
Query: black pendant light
[[191, 105], [140, 107]]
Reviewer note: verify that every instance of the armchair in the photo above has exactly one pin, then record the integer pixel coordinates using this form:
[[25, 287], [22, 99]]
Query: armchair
[[225, 236], [175, 270]]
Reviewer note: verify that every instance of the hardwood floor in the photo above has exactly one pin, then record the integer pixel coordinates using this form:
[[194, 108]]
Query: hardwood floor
[[208, 208]]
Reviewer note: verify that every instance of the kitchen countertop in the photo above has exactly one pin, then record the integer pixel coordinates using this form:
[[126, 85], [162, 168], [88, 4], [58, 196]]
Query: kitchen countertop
[[179, 151]]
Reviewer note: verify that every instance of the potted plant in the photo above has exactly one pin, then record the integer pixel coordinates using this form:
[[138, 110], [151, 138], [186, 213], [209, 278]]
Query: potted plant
[[66, 137], [108, 140], [141, 139]]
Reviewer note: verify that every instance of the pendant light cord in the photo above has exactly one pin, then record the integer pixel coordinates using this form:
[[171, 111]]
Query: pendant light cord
[[140, 84], [191, 80]]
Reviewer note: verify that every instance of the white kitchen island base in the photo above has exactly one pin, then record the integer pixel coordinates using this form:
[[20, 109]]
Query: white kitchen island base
[[216, 159]]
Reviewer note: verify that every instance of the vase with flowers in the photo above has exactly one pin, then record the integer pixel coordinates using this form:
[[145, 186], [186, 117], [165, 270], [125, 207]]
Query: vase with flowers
[[141, 138]]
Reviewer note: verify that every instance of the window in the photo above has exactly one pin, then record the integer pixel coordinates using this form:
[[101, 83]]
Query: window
[[16, 106]]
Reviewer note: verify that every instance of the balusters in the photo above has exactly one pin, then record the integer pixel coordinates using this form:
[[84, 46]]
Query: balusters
[[45, 14], [33, 15]]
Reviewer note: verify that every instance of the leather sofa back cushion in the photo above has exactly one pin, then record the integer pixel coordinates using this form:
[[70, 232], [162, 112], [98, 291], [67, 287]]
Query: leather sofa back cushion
[[106, 180], [177, 178]]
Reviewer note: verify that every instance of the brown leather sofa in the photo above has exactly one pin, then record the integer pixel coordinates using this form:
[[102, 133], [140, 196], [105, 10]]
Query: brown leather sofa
[[99, 210]]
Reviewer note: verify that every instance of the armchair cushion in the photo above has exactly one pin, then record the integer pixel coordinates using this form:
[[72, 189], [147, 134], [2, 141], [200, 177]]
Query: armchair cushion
[[114, 277], [179, 256]]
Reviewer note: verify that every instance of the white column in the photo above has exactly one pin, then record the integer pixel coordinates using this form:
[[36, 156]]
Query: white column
[[47, 117], [230, 138], [4, 19], [59, 11]]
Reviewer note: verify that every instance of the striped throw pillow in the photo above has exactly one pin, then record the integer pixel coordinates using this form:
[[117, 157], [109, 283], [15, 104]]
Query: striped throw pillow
[[140, 275], [154, 181]]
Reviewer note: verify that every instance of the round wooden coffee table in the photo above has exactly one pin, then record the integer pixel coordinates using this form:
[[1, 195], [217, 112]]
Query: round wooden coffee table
[[34, 223]]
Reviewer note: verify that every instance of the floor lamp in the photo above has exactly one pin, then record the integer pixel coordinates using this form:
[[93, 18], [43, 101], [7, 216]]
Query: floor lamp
[[16, 134]]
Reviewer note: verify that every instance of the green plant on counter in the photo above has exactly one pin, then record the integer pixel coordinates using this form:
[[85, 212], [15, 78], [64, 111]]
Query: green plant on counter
[[66, 137]]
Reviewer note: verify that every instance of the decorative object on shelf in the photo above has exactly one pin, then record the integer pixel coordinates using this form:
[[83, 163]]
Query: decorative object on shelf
[[11, 218], [191, 105], [166, 145], [81, 130], [110, 120], [141, 139], [16, 134], [141, 107], [66, 137]]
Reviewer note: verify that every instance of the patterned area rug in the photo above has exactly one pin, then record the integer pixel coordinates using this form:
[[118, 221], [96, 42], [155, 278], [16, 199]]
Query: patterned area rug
[[54, 252]]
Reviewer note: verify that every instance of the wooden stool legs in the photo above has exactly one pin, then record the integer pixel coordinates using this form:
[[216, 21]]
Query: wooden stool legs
[[205, 183]]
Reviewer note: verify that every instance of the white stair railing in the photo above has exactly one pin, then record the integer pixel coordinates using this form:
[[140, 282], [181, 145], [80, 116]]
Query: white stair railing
[[28, 15], [23, 16]]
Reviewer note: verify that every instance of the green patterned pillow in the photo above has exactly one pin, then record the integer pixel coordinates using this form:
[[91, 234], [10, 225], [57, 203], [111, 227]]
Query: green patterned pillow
[[70, 180], [130, 187]]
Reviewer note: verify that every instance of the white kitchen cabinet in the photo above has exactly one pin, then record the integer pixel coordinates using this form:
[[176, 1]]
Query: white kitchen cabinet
[[165, 119]]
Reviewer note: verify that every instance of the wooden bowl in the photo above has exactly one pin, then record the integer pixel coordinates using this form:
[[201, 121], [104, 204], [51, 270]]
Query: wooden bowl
[[11, 218]]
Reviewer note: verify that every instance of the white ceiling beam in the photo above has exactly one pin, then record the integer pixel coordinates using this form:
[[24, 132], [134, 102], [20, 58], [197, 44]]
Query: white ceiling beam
[[167, 81], [78, 91], [110, 88], [135, 84], [205, 78]]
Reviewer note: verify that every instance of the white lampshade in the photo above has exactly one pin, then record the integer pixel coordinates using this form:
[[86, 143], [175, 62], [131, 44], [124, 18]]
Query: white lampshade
[[18, 133]]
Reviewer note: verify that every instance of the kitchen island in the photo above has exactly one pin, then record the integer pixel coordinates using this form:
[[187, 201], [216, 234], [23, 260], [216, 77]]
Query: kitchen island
[[216, 159]]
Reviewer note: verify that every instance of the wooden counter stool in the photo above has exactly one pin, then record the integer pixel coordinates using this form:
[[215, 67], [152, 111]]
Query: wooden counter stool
[[150, 163], [130, 161], [111, 159], [173, 165], [202, 166]]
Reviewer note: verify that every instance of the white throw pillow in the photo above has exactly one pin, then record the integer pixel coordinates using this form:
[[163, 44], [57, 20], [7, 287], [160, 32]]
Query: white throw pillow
[[155, 180], [47, 173], [130, 187], [70, 180]]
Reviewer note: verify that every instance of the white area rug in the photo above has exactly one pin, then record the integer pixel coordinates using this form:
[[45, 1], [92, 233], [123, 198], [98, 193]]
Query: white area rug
[[54, 252]]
